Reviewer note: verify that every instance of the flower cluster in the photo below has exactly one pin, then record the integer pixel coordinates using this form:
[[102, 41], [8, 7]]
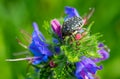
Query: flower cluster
[[73, 52]]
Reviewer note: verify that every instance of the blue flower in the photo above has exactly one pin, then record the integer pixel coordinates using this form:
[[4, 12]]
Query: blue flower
[[71, 12], [86, 68], [39, 47]]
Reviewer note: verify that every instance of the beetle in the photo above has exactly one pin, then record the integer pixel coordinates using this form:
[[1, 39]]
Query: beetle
[[72, 26]]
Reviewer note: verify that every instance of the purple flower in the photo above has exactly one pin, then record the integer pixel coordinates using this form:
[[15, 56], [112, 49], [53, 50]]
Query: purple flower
[[86, 68], [100, 45], [71, 12], [103, 52], [56, 27], [38, 46]]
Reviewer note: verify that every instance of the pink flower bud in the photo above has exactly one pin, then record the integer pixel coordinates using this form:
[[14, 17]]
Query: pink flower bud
[[56, 27]]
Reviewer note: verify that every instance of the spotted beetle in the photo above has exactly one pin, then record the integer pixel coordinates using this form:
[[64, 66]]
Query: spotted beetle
[[72, 26]]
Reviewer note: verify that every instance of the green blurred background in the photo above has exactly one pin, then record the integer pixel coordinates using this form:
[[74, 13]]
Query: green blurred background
[[19, 14]]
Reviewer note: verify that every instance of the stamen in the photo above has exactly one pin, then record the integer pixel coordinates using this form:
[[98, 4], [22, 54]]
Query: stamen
[[26, 36], [87, 17], [21, 53], [23, 45], [22, 59], [90, 13]]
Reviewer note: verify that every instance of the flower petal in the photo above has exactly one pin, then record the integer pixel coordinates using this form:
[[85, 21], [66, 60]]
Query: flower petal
[[38, 60], [38, 46], [103, 53], [71, 12], [37, 31], [100, 45], [86, 67]]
